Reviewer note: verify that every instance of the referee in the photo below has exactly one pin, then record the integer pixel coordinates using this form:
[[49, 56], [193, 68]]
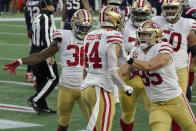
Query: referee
[[47, 77]]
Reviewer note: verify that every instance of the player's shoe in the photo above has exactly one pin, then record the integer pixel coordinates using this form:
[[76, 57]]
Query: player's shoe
[[34, 105], [47, 111]]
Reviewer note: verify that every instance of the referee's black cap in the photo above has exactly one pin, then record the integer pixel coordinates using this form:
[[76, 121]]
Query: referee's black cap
[[44, 3]]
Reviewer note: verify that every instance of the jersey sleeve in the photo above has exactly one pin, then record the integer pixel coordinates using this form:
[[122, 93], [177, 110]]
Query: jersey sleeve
[[191, 24], [57, 35], [114, 38], [166, 48]]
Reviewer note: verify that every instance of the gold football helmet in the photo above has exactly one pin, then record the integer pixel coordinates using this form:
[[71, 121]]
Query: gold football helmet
[[81, 23], [141, 10], [148, 34], [184, 2], [171, 9], [111, 16]]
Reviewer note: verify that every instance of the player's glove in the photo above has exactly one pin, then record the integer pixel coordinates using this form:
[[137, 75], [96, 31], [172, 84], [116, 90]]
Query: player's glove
[[12, 66], [128, 90]]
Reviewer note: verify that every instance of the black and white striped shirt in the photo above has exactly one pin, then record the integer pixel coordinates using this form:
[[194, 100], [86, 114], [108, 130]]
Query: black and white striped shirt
[[43, 28]]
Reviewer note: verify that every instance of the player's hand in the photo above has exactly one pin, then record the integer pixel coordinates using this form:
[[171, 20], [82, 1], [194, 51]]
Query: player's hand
[[128, 90], [12, 66]]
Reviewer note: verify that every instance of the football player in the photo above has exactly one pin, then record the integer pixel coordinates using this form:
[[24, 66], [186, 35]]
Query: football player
[[128, 104], [32, 10], [179, 32], [189, 12], [102, 49], [69, 8], [154, 60], [69, 45]]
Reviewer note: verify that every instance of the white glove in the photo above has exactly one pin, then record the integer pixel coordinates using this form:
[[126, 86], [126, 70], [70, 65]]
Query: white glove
[[128, 90], [123, 54], [62, 24]]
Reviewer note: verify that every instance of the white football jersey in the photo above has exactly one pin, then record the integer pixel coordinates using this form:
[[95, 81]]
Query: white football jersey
[[129, 39], [71, 58], [161, 84], [192, 3], [176, 34], [96, 44]]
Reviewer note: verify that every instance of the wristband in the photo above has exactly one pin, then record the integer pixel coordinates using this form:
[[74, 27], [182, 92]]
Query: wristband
[[20, 61], [130, 61]]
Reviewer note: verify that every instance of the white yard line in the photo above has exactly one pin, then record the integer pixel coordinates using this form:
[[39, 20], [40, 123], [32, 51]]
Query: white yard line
[[8, 124], [193, 104], [8, 33], [9, 25], [13, 44], [18, 83], [3, 58]]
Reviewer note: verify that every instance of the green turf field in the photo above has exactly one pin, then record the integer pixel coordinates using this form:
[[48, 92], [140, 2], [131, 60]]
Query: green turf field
[[14, 44]]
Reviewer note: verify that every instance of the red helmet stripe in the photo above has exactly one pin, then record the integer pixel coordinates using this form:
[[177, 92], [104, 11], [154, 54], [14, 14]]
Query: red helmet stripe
[[127, 10], [141, 3], [138, 3], [88, 15], [83, 11], [102, 13]]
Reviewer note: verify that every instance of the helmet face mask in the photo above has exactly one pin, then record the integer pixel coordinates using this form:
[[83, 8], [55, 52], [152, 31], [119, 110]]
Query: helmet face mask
[[140, 12], [171, 10], [139, 16], [144, 38], [148, 34], [81, 23]]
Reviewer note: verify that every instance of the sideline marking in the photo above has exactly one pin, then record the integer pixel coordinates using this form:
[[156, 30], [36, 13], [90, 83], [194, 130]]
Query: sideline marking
[[7, 124], [16, 108], [193, 104]]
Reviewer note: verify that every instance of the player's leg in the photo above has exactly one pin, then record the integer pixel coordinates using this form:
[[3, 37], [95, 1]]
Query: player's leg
[[145, 100], [191, 80], [183, 82], [66, 101], [159, 119], [182, 113], [106, 107], [106, 111], [183, 78], [82, 106], [128, 103]]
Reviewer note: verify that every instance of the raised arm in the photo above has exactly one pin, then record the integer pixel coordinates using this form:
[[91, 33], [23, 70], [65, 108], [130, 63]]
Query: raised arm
[[34, 58], [112, 59], [155, 63]]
